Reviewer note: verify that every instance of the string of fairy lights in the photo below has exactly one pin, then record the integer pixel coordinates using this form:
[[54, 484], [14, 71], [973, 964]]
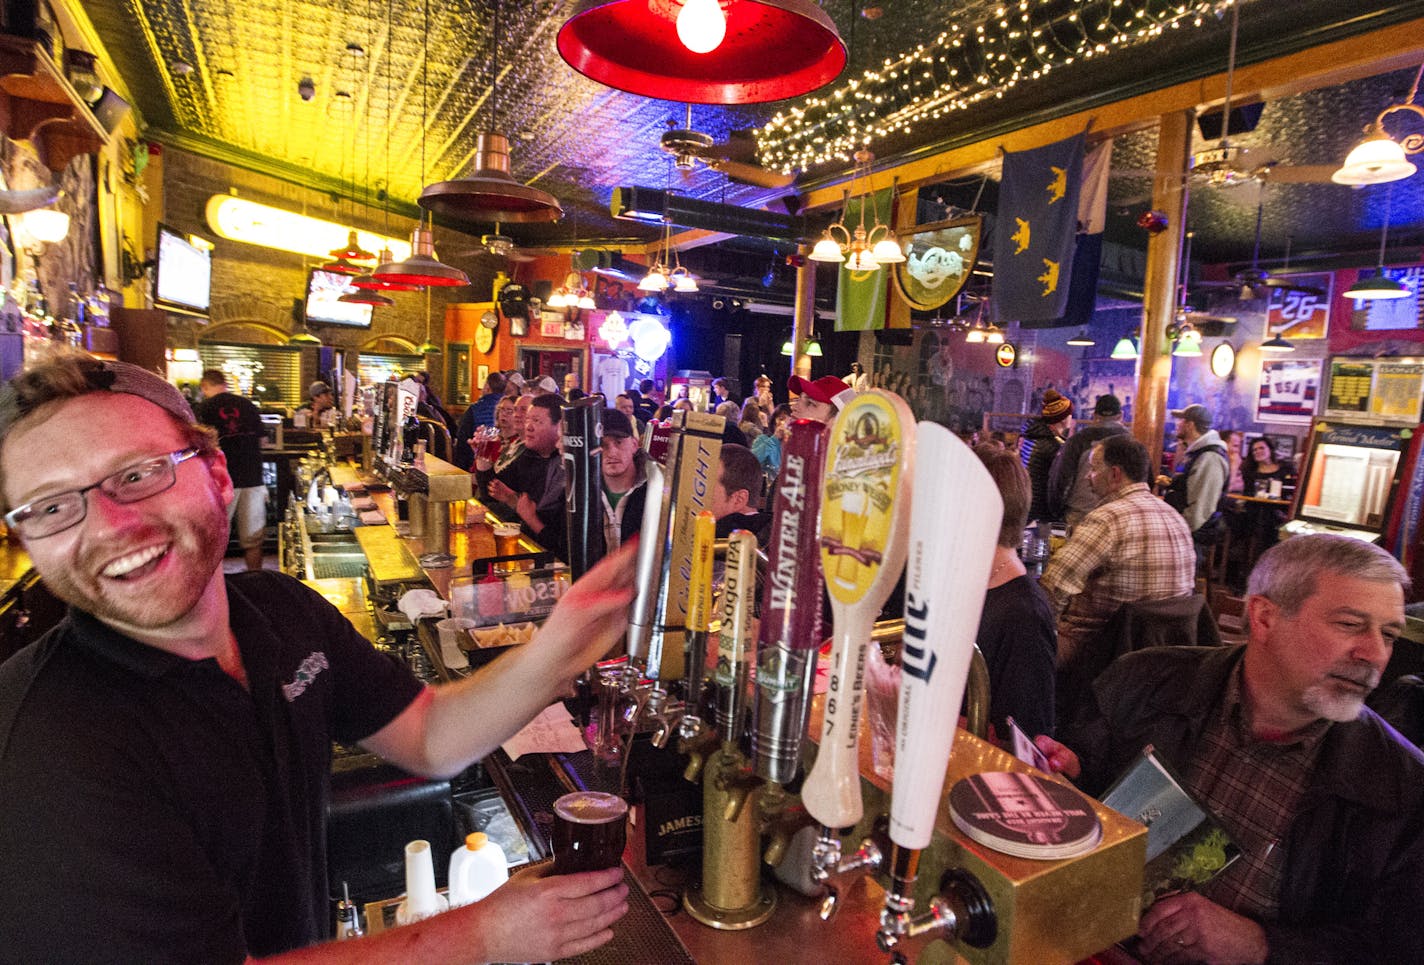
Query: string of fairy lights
[[1017, 43]]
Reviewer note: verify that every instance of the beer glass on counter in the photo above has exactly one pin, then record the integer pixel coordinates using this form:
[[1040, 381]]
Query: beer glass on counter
[[506, 543], [590, 829]]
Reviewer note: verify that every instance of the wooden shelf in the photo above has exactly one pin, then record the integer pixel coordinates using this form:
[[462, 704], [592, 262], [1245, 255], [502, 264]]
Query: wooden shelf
[[37, 104]]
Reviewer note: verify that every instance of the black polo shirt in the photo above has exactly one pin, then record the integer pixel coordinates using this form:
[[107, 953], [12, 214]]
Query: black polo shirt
[[152, 810]]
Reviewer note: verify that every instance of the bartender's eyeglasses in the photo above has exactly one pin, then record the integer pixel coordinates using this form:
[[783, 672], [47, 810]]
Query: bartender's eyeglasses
[[57, 512]]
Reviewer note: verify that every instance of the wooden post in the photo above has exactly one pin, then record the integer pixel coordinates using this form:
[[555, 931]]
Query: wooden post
[[1159, 303], [803, 322]]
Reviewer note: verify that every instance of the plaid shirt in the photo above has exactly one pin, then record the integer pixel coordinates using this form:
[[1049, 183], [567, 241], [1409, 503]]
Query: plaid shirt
[[1133, 547], [1253, 787]]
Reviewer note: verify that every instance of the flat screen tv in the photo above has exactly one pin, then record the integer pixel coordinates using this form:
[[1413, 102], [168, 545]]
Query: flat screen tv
[[324, 288], [184, 273]]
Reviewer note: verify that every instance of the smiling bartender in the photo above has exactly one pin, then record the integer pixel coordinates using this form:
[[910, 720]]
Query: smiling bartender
[[164, 751]]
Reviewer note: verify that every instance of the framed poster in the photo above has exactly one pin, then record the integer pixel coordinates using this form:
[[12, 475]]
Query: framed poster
[[1296, 314], [938, 261], [1288, 390], [518, 326], [1387, 391], [457, 374], [481, 376]]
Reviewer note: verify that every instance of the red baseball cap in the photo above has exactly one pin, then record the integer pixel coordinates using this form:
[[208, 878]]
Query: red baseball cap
[[827, 389]]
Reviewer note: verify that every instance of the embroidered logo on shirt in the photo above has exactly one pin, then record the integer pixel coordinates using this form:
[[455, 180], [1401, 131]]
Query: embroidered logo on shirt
[[314, 664]]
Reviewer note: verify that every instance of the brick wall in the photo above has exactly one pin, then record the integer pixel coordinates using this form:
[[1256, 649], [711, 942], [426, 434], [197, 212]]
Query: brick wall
[[259, 285]]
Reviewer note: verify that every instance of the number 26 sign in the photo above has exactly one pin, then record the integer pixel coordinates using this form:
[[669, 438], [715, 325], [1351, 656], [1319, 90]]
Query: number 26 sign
[[1298, 314]]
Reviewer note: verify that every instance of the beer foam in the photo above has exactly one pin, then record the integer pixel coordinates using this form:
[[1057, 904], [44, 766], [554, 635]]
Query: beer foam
[[590, 807]]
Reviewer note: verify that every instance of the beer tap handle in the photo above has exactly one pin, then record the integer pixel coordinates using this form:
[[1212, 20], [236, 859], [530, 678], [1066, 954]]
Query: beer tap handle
[[865, 516], [699, 608], [790, 631], [651, 547], [733, 642]]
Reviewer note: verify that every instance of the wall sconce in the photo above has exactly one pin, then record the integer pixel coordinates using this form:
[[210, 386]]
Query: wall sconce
[[1185, 339], [46, 225]]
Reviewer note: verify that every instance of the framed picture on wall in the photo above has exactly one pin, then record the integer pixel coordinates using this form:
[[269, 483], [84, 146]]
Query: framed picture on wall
[[457, 374], [1288, 390], [518, 326], [481, 376]]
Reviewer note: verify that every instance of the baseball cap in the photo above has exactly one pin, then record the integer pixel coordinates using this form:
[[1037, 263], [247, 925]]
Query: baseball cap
[[318, 388], [1199, 415], [546, 384], [616, 423], [827, 389], [103, 376], [1108, 405]]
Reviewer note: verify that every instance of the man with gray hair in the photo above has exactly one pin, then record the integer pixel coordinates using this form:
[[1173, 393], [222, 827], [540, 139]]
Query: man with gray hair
[[1325, 800]]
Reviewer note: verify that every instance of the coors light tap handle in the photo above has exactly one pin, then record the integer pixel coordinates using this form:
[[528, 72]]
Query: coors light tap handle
[[734, 637], [865, 513], [699, 607], [954, 527], [790, 607], [583, 483]]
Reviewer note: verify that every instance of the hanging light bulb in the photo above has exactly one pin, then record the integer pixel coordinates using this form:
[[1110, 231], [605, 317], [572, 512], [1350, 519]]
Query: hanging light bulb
[[701, 26]]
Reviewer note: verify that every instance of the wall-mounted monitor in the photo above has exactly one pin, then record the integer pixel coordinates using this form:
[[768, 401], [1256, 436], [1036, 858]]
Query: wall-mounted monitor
[[324, 290], [183, 273]]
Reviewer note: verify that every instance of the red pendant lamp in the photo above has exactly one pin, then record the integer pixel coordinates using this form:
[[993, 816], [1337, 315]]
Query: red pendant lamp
[[755, 50], [422, 268], [369, 282], [364, 296]]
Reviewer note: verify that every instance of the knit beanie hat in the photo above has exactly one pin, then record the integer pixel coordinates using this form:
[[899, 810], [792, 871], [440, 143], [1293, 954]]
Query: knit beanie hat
[[1055, 407]]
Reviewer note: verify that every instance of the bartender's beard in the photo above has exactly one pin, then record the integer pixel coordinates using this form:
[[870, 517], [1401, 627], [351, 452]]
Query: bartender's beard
[[196, 543]]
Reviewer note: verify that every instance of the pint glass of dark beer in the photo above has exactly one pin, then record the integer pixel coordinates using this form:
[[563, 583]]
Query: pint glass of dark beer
[[589, 829]]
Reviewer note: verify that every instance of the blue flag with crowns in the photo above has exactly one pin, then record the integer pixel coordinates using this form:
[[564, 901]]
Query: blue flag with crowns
[[1035, 230]]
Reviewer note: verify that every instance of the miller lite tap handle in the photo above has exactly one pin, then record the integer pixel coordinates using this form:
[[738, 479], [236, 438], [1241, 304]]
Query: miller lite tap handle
[[734, 638], [790, 631], [865, 516], [954, 527]]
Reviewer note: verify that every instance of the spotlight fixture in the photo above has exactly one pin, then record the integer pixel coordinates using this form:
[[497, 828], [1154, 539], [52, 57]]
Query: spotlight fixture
[[1379, 158]]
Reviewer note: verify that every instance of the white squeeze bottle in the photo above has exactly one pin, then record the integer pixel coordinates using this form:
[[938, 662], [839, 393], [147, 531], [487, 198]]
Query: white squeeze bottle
[[476, 869]]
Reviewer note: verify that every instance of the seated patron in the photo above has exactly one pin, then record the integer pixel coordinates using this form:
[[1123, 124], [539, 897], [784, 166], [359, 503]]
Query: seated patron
[[736, 496], [1325, 801], [531, 487], [1132, 547], [1016, 630]]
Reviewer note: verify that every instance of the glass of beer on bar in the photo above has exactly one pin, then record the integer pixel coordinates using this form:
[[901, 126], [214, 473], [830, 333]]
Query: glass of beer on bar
[[506, 543], [589, 831]]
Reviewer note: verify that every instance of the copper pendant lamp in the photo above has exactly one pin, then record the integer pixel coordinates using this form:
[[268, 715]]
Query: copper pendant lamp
[[489, 192], [369, 282], [365, 296], [755, 50]]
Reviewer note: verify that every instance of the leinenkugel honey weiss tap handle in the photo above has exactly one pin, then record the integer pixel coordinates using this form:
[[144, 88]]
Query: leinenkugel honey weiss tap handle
[[954, 527], [865, 515]]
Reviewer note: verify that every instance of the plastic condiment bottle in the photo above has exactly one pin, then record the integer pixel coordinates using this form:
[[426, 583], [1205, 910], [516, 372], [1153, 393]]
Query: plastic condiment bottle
[[476, 869]]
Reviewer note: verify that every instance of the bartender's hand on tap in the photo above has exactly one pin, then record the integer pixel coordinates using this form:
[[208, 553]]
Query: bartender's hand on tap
[[593, 614], [1061, 759]]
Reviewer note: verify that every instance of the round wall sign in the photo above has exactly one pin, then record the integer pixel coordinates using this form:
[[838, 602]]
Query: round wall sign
[[1005, 355]]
